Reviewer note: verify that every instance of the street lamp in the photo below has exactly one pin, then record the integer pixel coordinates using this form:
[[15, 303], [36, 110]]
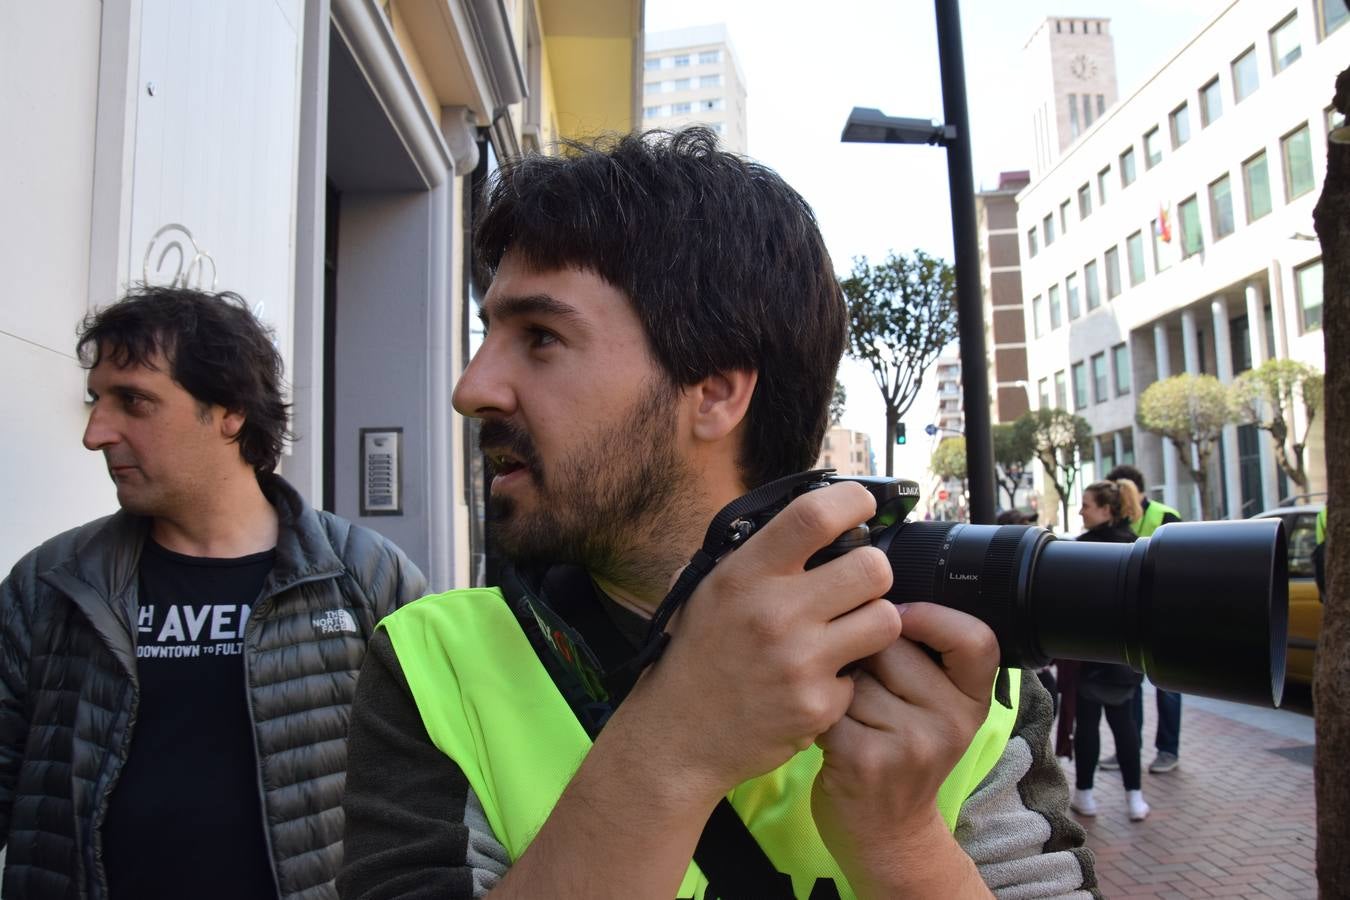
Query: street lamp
[[873, 126]]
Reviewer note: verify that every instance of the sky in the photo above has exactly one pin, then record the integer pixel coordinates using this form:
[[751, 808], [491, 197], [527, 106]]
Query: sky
[[807, 64]]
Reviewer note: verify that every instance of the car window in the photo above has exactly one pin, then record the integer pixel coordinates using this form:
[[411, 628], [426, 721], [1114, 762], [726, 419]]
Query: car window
[[1302, 529]]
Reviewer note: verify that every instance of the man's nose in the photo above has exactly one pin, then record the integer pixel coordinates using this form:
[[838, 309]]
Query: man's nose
[[98, 433], [485, 389]]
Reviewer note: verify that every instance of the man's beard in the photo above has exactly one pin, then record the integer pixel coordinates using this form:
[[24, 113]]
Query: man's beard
[[609, 505]]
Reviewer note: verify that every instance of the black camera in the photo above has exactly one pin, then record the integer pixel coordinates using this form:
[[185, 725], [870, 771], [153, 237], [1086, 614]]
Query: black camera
[[1199, 607]]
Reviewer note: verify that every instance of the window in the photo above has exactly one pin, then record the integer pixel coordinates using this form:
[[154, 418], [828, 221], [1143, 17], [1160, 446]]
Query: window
[[1087, 110], [1091, 289], [1192, 240], [650, 112], [1308, 287], [1152, 149], [1061, 392], [708, 57], [1256, 185], [710, 105], [1245, 79], [1101, 387], [1120, 360], [1161, 261], [1127, 168], [1112, 273], [1071, 293], [1221, 208], [1179, 123], [653, 87], [1084, 202], [1334, 119], [652, 64], [1333, 14], [1211, 104], [1296, 150], [682, 84], [1106, 451], [1102, 177], [682, 61], [1033, 246], [1056, 317], [1284, 46], [1064, 217], [1048, 226], [1080, 387], [1043, 386], [1074, 128], [1134, 249], [680, 109], [710, 81], [1036, 316], [1101, 104]]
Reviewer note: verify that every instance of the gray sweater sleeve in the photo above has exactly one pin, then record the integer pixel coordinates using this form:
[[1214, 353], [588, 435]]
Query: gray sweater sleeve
[[414, 828], [1016, 825]]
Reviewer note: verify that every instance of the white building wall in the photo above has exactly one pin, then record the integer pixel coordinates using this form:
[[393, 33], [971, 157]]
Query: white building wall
[[1262, 254], [50, 481]]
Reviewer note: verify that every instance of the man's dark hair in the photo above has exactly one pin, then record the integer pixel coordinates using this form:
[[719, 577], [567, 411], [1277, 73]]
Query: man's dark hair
[[216, 349], [1127, 471], [722, 261]]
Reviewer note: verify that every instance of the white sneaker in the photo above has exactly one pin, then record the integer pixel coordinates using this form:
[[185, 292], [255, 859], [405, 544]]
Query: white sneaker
[[1084, 803], [1138, 806]]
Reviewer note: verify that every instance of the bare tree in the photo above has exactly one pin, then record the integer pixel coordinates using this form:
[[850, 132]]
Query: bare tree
[[1191, 411], [1060, 441], [1269, 397], [902, 313], [1331, 686]]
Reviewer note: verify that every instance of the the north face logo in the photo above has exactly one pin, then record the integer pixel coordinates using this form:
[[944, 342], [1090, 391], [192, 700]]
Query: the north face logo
[[335, 621]]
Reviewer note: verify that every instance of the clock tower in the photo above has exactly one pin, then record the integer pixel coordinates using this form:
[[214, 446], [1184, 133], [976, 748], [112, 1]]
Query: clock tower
[[1071, 79]]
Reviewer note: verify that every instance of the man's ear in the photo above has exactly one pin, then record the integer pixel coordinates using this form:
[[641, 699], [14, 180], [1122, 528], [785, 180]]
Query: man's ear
[[722, 399], [231, 423]]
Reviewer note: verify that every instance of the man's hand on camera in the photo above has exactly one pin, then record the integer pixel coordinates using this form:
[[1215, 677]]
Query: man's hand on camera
[[910, 721], [752, 673]]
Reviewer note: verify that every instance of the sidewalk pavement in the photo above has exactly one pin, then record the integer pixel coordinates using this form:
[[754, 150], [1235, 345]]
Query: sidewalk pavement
[[1235, 819]]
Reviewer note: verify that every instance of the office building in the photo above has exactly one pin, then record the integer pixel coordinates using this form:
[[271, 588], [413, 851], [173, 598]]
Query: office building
[[690, 75]]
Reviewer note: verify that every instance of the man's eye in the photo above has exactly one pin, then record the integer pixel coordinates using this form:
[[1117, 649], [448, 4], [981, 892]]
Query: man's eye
[[541, 337]]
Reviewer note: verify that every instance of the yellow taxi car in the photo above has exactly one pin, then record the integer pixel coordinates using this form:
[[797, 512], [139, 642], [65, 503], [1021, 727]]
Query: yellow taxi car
[[1305, 606]]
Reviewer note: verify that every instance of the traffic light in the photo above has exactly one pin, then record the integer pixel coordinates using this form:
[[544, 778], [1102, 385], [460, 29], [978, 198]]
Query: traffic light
[[900, 433]]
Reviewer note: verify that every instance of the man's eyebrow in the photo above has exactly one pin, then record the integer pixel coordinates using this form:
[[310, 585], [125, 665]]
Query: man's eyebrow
[[506, 308]]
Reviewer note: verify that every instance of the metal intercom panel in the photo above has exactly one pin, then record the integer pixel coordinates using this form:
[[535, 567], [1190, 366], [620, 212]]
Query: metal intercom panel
[[381, 471]]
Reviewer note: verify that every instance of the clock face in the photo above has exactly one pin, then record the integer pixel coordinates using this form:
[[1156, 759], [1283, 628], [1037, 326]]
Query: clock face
[[1082, 67]]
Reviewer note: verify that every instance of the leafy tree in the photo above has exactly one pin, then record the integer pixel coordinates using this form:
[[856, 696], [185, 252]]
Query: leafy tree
[[1013, 452], [949, 461], [1191, 411], [838, 402], [1059, 440], [902, 313], [1268, 397]]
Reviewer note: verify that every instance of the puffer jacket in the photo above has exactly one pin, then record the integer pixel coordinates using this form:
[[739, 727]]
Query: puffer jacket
[[68, 691]]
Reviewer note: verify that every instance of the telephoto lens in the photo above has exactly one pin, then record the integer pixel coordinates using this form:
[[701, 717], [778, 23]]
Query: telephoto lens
[[1200, 608]]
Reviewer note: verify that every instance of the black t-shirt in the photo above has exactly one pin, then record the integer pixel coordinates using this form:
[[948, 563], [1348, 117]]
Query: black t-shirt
[[185, 817]]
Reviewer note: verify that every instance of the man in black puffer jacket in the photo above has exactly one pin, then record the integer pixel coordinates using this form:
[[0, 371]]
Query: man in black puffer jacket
[[176, 679]]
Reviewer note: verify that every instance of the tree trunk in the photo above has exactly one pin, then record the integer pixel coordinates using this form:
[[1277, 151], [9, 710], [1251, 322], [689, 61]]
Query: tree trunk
[[892, 426], [1332, 682]]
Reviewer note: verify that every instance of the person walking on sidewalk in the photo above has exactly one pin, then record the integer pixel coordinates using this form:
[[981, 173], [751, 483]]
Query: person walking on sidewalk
[[1167, 738], [176, 678], [1107, 687]]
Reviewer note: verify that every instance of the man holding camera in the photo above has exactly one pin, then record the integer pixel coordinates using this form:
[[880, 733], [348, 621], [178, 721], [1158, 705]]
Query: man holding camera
[[664, 327]]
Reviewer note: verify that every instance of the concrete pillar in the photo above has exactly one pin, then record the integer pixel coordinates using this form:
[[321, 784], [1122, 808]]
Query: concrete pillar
[[1169, 450], [1192, 363], [1256, 323], [1223, 365], [1117, 448]]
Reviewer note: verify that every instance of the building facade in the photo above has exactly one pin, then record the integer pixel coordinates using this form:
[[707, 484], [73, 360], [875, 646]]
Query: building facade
[[1070, 73], [691, 75], [1175, 235], [847, 452], [314, 156], [1001, 275]]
